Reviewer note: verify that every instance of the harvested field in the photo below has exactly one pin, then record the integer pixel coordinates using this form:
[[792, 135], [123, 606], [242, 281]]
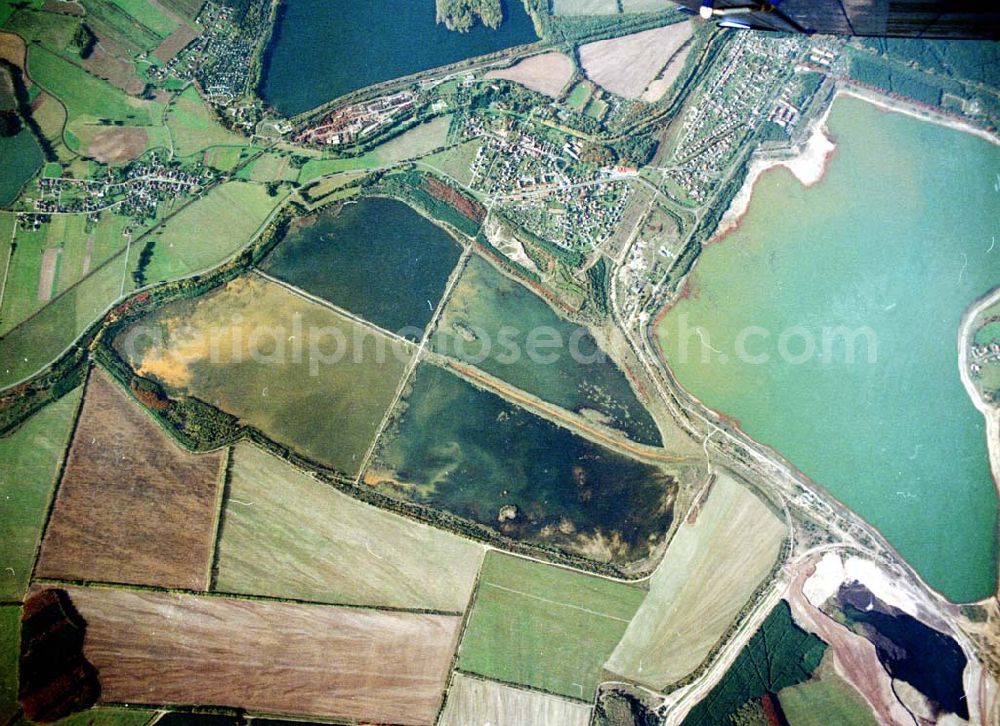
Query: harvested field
[[175, 42], [476, 701], [547, 73], [709, 572], [114, 67], [12, 49], [115, 145], [658, 88], [47, 273], [418, 141], [626, 65], [584, 7], [62, 6], [132, 506], [544, 626], [286, 534], [275, 657]]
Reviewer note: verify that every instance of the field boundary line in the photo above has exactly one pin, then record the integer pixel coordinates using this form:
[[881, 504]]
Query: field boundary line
[[299, 292], [226, 474], [523, 687], [10, 256], [243, 596], [60, 474], [409, 374], [556, 602]]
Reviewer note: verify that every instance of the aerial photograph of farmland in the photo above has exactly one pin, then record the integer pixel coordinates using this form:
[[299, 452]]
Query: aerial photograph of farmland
[[499, 363]]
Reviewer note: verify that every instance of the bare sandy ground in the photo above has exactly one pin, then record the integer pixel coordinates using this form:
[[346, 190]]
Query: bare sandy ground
[[855, 658], [547, 73], [627, 65]]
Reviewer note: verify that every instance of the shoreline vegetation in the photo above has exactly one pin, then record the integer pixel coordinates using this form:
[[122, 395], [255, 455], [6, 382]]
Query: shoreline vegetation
[[809, 162], [461, 15]]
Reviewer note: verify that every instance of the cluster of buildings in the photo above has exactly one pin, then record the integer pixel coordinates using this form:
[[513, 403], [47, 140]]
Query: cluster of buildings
[[359, 121], [538, 182], [983, 355], [134, 191], [730, 107]]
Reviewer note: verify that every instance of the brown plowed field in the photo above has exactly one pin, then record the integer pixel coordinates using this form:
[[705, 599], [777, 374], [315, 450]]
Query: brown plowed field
[[132, 506], [369, 665]]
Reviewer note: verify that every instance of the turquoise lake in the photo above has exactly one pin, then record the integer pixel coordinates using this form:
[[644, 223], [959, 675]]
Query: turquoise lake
[[322, 49], [893, 244]]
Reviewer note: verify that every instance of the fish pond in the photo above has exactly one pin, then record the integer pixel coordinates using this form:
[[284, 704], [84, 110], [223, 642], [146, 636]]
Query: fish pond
[[493, 322], [467, 451], [376, 258], [827, 325], [320, 50]]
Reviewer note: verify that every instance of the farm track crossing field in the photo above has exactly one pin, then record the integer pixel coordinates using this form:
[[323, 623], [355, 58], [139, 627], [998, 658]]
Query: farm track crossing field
[[477, 701], [286, 534], [544, 626], [207, 231], [30, 457], [626, 65], [547, 73], [132, 506], [235, 349], [710, 570], [158, 648]]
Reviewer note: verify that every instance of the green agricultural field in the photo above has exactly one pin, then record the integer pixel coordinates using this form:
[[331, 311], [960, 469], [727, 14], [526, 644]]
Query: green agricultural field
[[779, 655], [31, 458], [50, 260], [50, 29], [39, 340], [193, 125], [709, 572], [10, 639], [87, 95], [150, 15], [315, 168], [824, 700], [579, 96], [288, 535], [296, 370], [543, 626], [206, 231], [416, 142], [223, 158], [269, 167], [455, 162]]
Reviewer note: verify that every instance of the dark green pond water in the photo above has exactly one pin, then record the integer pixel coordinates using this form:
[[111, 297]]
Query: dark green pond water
[[469, 452], [490, 321], [377, 258], [322, 49], [20, 157]]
